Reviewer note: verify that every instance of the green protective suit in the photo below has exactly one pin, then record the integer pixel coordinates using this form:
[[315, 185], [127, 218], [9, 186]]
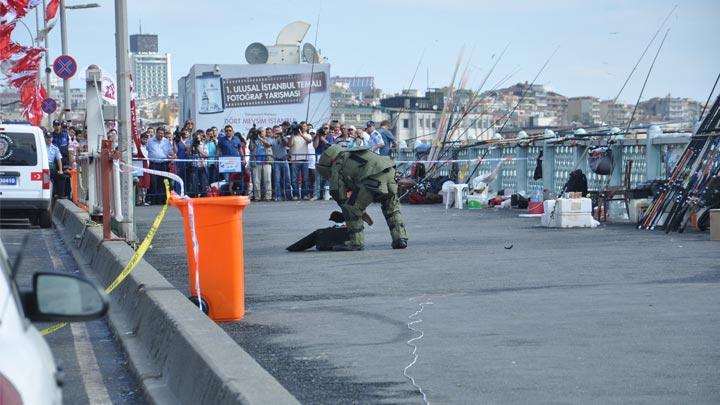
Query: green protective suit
[[369, 178]]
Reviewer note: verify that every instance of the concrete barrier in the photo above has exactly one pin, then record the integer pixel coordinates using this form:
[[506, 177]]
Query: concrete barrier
[[178, 354]]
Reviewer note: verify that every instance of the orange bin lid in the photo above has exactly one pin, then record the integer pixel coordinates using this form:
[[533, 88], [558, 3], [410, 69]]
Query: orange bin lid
[[235, 200]]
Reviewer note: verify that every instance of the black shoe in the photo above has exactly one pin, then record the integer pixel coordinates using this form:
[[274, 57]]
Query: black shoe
[[399, 244], [346, 248]]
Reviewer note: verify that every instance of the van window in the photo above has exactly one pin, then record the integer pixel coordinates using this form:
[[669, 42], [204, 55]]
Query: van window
[[18, 149]]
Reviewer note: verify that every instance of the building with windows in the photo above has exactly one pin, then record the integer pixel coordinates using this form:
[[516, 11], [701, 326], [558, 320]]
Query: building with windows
[[145, 43], [671, 109], [584, 110], [361, 86], [152, 71]]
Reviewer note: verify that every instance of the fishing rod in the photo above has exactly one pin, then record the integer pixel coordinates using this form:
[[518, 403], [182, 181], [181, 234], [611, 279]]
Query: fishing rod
[[647, 47], [332, 107], [702, 113], [476, 95], [642, 90], [471, 106], [312, 66], [412, 80]]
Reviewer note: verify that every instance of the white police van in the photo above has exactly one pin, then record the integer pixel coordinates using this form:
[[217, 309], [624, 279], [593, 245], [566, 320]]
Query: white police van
[[25, 183]]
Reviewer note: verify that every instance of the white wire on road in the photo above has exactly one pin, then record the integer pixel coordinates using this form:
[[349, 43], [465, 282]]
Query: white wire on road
[[412, 343]]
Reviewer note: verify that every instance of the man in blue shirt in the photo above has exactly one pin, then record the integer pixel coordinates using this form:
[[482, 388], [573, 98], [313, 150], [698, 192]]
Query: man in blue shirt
[[229, 146], [387, 137], [59, 179], [61, 139]]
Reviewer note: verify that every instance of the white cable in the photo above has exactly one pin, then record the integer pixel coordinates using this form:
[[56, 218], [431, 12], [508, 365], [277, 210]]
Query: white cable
[[196, 250], [171, 176], [412, 344]]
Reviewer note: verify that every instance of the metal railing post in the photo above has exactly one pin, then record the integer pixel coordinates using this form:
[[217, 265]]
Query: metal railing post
[[616, 178], [548, 167], [653, 155], [521, 168], [106, 180]]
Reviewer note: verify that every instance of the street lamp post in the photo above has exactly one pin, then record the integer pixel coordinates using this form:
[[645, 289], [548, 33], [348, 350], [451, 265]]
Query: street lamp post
[[123, 103], [63, 41]]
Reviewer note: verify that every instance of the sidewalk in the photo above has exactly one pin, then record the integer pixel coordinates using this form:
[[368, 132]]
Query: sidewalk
[[606, 315]]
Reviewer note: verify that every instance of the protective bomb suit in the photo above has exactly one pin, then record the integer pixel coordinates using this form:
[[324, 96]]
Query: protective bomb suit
[[359, 177]]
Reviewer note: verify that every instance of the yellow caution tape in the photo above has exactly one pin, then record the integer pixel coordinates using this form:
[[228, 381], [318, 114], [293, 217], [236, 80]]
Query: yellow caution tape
[[139, 253]]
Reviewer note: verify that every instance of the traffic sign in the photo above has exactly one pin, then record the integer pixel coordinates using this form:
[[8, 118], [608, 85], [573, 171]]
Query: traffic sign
[[49, 105], [65, 66]]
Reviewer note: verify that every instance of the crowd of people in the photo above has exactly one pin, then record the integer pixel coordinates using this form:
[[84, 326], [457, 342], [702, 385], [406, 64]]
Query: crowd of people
[[270, 163]]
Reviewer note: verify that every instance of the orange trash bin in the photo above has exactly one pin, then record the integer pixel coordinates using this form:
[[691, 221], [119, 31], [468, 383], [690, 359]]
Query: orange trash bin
[[218, 228]]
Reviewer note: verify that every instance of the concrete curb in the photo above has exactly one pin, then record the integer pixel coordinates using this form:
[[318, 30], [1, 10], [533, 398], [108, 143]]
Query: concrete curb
[[177, 353]]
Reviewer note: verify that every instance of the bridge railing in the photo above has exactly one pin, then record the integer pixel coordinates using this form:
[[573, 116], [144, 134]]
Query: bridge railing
[[652, 156]]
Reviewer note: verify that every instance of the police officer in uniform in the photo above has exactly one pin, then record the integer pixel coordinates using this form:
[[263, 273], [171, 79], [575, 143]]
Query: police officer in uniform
[[359, 177]]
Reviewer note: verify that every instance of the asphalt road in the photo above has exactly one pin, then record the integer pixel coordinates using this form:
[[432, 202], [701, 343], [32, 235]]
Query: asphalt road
[[95, 368], [606, 315]]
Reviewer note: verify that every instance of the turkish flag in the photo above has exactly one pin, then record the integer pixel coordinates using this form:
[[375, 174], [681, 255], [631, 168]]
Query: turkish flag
[[51, 10]]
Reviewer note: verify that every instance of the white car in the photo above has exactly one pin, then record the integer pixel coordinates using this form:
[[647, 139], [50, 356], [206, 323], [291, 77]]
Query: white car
[[25, 183], [28, 373]]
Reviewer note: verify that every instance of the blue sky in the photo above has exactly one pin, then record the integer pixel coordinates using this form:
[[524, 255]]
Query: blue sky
[[599, 40]]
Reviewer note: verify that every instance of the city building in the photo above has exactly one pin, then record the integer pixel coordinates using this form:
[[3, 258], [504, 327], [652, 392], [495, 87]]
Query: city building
[[145, 43], [152, 71], [360, 86], [358, 115], [615, 114], [671, 109], [584, 110], [77, 99], [416, 118]]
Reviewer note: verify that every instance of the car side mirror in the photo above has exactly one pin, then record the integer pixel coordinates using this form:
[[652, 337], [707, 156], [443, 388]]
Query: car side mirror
[[64, 297]]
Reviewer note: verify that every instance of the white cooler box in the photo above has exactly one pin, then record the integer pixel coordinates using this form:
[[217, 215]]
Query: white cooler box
[[570, 213]]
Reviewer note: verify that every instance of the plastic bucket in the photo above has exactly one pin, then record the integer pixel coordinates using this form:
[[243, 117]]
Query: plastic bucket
[[535, 207], [218, 227]]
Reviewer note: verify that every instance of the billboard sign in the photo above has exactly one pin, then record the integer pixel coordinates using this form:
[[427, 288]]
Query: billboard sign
[[264, 95]]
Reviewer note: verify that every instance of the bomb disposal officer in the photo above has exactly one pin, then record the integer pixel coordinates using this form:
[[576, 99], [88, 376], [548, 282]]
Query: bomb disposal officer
[[359, 177]]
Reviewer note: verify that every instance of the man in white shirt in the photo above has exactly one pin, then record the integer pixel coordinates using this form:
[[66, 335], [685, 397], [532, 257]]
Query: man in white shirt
[[299, 161], [159, 151], [376, 140]]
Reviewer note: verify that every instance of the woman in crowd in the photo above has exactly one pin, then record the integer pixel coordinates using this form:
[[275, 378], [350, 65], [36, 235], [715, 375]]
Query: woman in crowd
[[198, 169], [211, 146], [180, 149]]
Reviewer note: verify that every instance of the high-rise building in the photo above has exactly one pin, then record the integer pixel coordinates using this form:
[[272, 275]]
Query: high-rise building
[[152, 72], [144, 43]]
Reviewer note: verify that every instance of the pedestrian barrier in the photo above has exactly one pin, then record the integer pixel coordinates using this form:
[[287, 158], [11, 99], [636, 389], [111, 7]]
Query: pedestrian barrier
[[217, 261], [130, 266]]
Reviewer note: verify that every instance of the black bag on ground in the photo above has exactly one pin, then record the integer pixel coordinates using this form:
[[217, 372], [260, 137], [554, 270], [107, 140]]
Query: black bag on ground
[[329, 237], [518, 201], [601, 160], [322, 239]]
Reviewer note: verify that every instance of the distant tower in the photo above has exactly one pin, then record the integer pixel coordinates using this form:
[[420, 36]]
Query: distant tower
[[152, 72]]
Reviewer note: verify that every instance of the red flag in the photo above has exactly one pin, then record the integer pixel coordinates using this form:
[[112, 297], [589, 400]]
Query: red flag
[[6, 30], [51, 10], [29, 61], [32, 95], [12, 49], [18, 7]]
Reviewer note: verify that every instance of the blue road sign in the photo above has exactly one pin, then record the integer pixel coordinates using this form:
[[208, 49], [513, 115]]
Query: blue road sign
[[65, 66], [49, 105]]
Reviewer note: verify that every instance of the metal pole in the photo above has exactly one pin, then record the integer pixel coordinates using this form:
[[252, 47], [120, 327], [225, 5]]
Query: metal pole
[[63, 40], [125, 138], [47, 62], [106, 180]]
